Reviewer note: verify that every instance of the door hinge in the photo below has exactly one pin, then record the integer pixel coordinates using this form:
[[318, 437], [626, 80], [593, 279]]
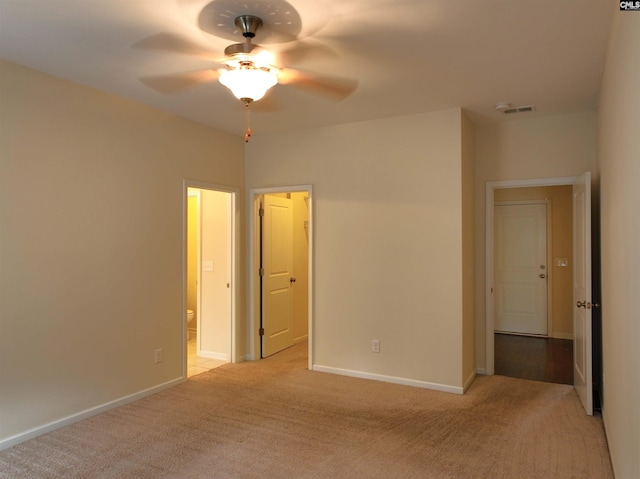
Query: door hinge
[[261, 271], [261, 331], [261, 212]]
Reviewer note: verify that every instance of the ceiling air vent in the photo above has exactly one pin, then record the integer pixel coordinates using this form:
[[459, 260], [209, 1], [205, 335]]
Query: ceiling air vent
[[519, 109]]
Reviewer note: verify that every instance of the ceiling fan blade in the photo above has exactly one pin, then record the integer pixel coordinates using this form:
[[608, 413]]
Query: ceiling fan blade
[[179, 82], [335, 88], [302, 50], [169, 42]]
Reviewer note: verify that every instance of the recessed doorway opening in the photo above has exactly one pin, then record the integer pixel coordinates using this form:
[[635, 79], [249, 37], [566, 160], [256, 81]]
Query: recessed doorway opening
[[581, 294], [210, 262]]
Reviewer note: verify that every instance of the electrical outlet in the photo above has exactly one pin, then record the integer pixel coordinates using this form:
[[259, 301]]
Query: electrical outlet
[[375, 345], [158, 355]]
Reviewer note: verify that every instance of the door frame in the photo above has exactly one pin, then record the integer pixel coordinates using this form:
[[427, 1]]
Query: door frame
[[254, 239], [233, 248], [489, 256], [198, 196]]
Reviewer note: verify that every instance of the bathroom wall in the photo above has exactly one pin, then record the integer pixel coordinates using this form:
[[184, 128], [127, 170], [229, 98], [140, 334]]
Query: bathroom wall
[[193, 229], [215, 313]]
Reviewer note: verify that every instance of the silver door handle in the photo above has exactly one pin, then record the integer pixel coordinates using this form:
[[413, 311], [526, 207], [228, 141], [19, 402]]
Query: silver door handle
[[542, 275], [581, 304], [292, 280]]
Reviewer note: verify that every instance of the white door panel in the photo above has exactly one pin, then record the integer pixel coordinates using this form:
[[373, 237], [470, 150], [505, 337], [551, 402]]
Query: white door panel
[[520, 268], [277, 262], [582, 368]]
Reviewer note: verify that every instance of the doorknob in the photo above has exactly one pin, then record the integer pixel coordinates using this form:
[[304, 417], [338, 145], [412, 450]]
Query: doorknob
[[581, 304], [292, 280], [542, 275]]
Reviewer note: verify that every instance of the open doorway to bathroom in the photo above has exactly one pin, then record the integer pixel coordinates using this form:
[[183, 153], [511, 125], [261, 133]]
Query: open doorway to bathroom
[[209, 277]]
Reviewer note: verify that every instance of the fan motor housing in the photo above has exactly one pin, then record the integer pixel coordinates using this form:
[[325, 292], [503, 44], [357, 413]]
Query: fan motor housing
[[239, 49], [249, 24]]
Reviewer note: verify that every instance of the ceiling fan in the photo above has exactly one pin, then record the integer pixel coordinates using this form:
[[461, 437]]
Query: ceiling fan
[[247, 69]]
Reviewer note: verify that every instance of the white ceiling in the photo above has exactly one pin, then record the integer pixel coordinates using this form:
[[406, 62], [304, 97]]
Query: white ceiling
[[409, 56]]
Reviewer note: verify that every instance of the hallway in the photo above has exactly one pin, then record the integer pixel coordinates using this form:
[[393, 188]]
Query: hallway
[[539, 359]]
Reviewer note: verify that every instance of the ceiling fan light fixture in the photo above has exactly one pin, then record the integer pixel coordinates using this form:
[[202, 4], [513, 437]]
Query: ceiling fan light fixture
[[248, 81]]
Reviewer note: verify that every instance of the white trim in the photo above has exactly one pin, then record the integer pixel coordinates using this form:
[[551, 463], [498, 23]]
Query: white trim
[[213, 355], [521, 202], [87, 413], [489, 201], [481, 371], [389, 379], [562, 336], [253, 194], [198, 273]]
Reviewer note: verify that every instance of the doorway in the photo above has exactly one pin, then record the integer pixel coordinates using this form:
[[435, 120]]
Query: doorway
[[580, 295], [209, 276], [280, 279]]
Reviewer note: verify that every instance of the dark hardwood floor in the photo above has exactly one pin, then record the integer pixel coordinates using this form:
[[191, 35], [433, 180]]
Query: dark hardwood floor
[[540, 359]]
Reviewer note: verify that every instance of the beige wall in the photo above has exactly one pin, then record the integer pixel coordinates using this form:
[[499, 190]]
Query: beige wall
[[91, 195], [468, 253], [558, 146], [619, 162], [561, 246], [387, 240]]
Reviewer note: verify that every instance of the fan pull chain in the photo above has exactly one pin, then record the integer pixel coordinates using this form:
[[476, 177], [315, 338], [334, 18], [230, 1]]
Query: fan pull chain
[[247, 133]]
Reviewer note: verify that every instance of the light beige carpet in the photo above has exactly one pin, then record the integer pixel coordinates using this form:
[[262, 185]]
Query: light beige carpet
[[274, 419]]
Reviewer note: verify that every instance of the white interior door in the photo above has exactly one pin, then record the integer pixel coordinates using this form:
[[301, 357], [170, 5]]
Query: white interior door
[[277, 264], [582, 367], [521, 268]]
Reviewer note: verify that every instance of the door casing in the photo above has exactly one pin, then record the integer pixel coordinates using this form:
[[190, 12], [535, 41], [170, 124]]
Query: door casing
[[253, 205], [489, 254], [233, 249]]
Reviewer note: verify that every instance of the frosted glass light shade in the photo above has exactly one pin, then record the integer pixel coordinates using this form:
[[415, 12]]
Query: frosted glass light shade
[[250, 83]]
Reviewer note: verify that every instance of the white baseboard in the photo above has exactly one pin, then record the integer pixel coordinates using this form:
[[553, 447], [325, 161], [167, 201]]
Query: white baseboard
[[389, 379], [87, 413], [482, 371], [562, 336], [213, 355]]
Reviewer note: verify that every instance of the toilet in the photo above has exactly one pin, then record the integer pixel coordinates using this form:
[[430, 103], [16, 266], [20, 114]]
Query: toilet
[[191, 329]]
